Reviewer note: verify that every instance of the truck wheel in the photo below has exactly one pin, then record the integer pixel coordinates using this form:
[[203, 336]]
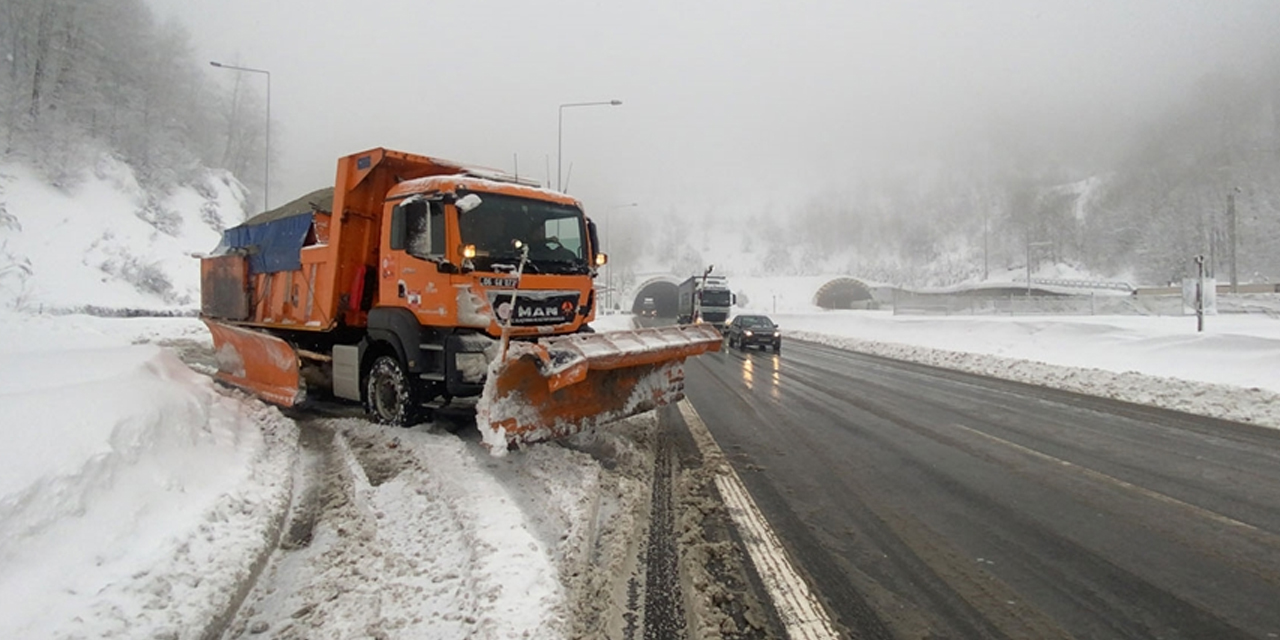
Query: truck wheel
[[389, 398]]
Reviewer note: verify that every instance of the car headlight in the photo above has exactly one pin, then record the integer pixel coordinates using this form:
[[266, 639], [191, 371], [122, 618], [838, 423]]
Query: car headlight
[[746, 333], [777, 334]]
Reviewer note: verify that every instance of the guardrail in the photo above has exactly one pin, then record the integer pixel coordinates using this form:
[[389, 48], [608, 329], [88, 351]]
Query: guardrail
[[1085, 284]]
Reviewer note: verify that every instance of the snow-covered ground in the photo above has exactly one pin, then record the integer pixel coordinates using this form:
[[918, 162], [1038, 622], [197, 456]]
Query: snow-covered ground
[[137, 499]]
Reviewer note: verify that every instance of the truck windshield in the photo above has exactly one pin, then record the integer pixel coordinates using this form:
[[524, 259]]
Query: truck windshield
[[715, 298], [554, 233]]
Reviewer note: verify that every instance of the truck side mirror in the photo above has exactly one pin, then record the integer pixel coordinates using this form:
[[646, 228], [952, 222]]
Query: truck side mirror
[[598, 258], [468, 202]]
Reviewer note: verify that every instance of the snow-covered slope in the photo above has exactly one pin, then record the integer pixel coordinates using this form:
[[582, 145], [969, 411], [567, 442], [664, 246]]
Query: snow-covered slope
[[105, 241]]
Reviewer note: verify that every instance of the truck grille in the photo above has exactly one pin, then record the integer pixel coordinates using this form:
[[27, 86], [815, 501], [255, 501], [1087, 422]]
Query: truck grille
[[534, 308]]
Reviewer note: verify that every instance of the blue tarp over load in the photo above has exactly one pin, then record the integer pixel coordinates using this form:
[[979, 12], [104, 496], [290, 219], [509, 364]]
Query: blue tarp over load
[[271, 246], [273, 240]]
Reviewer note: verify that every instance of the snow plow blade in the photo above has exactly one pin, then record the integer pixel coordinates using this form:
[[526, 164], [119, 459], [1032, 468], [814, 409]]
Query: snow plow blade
[[561, 386], [257, 362]]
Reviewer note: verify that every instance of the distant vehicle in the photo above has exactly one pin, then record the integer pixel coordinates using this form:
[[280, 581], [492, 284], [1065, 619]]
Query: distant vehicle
[[648, 307], [704, 299], [754, 331]]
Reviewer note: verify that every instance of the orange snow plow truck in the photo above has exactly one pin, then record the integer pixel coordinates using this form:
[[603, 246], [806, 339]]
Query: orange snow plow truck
[[415, 281]]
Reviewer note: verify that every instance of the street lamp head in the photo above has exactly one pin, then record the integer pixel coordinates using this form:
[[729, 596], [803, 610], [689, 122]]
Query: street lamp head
[[266, 164], [560, 129]]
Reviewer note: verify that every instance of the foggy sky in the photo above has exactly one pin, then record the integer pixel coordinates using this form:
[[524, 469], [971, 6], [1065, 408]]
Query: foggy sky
[[727, 104]]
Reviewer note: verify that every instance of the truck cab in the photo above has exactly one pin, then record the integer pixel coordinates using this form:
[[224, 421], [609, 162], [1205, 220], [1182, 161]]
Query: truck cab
[[464, 260], [456, 249]]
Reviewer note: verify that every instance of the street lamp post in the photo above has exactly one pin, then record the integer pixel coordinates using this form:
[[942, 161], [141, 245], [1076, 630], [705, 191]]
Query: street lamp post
[[266, 165], [608, 231], [1231, 237], [986, 262], [560, 130]]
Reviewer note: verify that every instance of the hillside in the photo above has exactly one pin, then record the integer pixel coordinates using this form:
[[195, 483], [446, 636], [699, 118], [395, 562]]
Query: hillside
[[104, 241]]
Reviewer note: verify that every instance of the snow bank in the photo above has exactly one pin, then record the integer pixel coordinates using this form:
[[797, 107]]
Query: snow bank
[[1226, 372], [1233, 350], [120, 464]]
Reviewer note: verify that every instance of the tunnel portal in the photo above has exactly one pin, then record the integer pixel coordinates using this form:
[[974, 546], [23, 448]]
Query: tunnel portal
[[844, 293], [664, 296]]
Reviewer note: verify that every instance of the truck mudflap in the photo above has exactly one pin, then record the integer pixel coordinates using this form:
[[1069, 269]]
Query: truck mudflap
[[561, 386], [257, 362]]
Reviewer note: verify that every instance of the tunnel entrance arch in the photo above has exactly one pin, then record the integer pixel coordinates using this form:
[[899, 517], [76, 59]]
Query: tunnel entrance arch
[[664, 294], [844, 293]]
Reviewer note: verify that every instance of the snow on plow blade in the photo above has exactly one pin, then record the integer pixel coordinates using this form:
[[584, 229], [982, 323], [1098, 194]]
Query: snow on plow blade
[[256, 362], [561, 386]]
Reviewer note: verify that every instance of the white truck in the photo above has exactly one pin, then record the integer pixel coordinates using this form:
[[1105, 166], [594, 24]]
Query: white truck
[[705, 299]]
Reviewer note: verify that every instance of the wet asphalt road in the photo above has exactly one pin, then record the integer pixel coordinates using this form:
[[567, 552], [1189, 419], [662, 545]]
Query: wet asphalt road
[[923, 503]]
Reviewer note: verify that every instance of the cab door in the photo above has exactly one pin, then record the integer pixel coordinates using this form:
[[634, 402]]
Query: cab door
[[410, 270]]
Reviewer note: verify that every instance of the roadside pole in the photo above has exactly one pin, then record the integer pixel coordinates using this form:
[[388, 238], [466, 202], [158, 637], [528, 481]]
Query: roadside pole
[[1199, 293]]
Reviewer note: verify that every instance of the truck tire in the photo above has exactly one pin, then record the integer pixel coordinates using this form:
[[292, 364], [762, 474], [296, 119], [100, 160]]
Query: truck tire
[[389, 397]]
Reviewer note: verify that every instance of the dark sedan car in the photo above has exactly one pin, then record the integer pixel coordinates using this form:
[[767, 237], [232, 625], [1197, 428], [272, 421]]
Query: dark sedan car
[[758, 331]]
